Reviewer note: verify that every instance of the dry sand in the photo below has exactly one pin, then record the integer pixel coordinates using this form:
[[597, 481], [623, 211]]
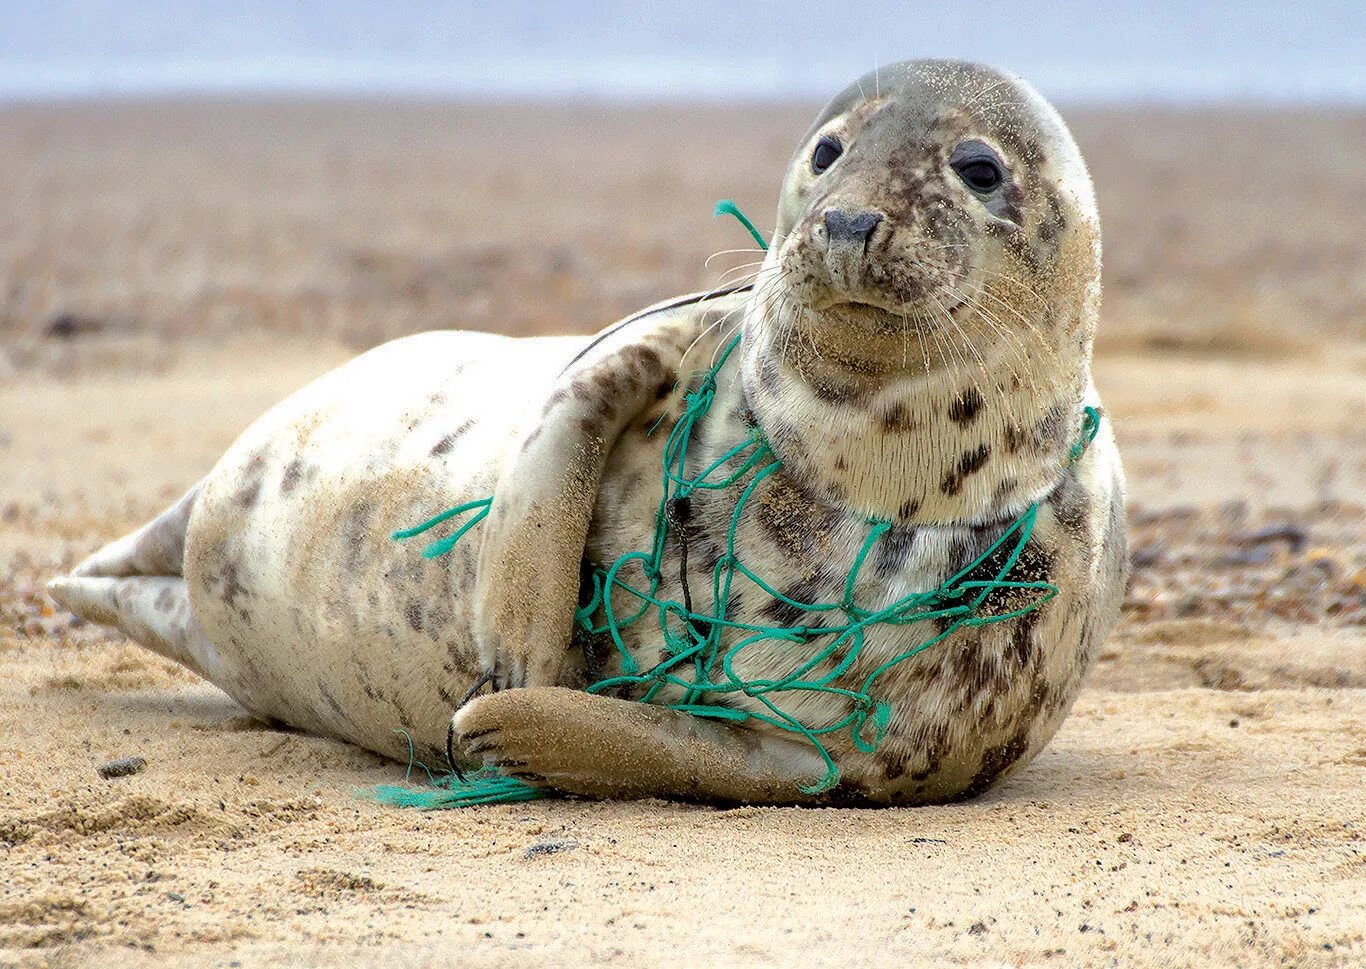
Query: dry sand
[[169, 270]]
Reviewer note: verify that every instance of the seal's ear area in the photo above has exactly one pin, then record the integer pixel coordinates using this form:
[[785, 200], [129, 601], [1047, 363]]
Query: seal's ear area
[[528, 577]]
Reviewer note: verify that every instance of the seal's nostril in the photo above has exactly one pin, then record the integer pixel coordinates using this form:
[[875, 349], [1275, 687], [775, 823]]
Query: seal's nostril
[[851, 227]]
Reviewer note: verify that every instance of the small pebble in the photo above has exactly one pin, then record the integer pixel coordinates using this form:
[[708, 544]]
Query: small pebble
[[548, 848], [122, 767]]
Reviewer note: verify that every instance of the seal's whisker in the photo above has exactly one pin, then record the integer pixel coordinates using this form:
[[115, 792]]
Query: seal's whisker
[[706, 264], [966, 339], [1012, 339], [1030, 326], [945, 357], [741, 268], [1025, 287], [1014, 352], [920, 335], [759, 293]]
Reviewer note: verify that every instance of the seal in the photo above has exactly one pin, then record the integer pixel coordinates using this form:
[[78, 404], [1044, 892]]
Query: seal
[[915, 349]]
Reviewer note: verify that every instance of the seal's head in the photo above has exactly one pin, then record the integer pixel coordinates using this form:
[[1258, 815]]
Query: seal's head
[[932, 289], [923, 185]]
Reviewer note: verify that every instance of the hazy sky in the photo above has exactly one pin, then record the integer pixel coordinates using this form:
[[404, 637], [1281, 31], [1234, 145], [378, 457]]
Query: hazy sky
[[1072, 49]]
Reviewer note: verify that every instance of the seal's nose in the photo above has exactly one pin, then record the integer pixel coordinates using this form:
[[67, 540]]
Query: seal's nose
[[846, 227]]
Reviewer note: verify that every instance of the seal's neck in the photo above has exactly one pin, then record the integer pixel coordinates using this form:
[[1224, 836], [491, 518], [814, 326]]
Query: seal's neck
[[975, 434]]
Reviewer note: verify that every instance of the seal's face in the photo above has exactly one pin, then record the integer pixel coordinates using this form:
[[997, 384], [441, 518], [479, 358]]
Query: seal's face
[[918, 190]]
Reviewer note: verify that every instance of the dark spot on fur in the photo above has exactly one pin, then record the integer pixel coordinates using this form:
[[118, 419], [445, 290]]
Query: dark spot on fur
[[294, 472], [788, 615], [1021, 643], [558, 397], [830, 390], [909, 507], [1012, 199], [165, 600], [250, 489], [893, 549], [608, 383], [1014, 437], [1050, 429], [226, 584], [996, 761], [897, 419], [444, 445], [643, 361], [973, 461], [768, 374], [1054, 222], [331, 701], [1004, 490], [355, 535], [1033, 564], [964, 408], [412, 612], [969, 463], [1071, 505], [794, 518]]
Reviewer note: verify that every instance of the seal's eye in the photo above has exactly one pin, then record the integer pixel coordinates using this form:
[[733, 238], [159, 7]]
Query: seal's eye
[[827, 150], [980, 176], [978, 166]]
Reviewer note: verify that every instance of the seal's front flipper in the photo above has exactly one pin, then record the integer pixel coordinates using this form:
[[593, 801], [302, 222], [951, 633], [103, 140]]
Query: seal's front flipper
[[602, 747], [534, 537]]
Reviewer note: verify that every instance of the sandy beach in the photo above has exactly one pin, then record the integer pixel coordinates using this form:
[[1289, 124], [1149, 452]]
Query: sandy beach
[[169, 269]]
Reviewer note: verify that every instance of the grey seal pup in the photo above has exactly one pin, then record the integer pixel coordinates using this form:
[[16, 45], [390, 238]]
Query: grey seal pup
[[915, 350]]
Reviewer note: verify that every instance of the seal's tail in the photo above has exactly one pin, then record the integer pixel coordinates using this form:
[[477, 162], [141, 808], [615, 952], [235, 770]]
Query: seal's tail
[[153, 610], [157, 548], [134, 583]]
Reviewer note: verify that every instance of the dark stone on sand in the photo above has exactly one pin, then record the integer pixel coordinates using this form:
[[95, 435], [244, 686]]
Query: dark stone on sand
[[122, 767]]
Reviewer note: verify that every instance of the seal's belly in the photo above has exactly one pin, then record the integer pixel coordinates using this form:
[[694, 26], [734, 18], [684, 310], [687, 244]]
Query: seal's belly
[[322, 619]]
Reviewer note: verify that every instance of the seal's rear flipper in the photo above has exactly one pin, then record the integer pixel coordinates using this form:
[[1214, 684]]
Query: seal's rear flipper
[[154, 611], [157, 548]]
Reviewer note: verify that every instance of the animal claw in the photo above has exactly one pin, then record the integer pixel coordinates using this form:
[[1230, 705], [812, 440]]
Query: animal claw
[[485, 680]]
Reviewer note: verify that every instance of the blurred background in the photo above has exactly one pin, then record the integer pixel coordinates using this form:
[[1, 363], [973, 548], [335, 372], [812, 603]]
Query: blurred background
[[362, 170], [1074, 51], [206, 204]]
